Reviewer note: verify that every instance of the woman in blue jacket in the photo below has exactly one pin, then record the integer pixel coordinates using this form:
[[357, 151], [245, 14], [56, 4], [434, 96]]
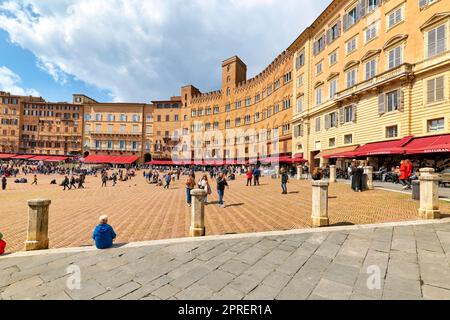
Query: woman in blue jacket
[[104, 234]]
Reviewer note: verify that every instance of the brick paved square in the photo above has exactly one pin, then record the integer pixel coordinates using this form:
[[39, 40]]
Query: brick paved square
[[141, 212]]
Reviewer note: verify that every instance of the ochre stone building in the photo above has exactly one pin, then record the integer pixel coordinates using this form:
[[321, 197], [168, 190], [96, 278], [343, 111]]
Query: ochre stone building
[[367, 79]]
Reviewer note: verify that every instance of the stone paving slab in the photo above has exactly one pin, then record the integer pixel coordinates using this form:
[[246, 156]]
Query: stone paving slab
[[332, 263]]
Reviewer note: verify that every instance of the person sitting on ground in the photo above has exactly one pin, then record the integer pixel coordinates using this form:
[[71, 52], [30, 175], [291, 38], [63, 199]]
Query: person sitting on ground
[[2, 244], [53, 181], [104, 234]]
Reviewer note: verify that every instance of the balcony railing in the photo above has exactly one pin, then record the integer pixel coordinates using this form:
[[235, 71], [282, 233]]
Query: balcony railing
[[401, 71]]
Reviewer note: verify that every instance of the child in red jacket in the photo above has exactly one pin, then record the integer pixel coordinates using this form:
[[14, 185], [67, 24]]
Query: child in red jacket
[[2, 244]]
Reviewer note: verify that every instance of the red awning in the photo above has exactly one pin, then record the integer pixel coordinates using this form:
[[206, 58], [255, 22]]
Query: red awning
[[38, 158], [435, 144], [7, 155], [22, 157], [56, 159], [161, 163], [95, 159], [345, 155], [382, 148]]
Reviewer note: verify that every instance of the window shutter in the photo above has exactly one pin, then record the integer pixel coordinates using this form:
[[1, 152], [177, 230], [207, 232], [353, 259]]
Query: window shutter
[[363, 8], [400, 100], [440, 38], [296, 132], [358, 12], [382, 104], [327, 122], [328, 36], [300, 129], [354, 111], [440, 88], [422, 3], [430, 90], [345, 22], [432, 43], [341, 116], [338, 26], [315, 48]]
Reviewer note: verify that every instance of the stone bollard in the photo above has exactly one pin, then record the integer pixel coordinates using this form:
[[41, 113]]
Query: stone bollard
[[37, 238], [333, 174], [198, 213], [299, 173], [369, 172], [429, 194], [320, 204]]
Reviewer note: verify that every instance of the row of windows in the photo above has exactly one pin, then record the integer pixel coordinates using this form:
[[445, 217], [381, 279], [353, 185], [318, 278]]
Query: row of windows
[[112, 145], [112, 117], [167, 106], [9, 100], [110, 129], [51, 107], [41, 113]]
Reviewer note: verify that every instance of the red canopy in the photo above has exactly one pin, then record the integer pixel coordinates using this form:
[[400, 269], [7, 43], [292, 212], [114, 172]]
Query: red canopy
[[56, 159], [346, 154], [38, 158], [7, 155], [111, 159], [435, 144], [386, 147], [23, 157]]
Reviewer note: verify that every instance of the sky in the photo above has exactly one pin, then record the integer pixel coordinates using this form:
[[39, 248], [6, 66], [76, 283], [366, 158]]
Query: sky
[[139, 50]]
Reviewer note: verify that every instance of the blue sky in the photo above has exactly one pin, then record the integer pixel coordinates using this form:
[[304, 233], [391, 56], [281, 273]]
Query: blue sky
[[136, 50]]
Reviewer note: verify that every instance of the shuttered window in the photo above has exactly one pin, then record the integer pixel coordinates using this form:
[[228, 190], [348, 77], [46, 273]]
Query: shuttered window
[[395, 57], [435, 90], [317, 126], [371, 69], [437, 41]]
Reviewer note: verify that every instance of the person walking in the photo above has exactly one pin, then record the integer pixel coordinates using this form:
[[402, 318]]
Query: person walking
[[72, 182], [204, 185], [104, 179], [405, 173], [249, 177], [65, 183], [114, 178], [4, 182], [81, 182], [168, 179], [221, 184], [35, 180], [256, 175], [284, 181], [190, 185], [357, 180]]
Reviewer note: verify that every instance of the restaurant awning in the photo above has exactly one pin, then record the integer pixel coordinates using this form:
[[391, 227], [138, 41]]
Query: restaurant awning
[[434, 144], [6, 155], [95, 159], [56, 159], [22, 157], [344, 152], [384, 148], [38, 158]]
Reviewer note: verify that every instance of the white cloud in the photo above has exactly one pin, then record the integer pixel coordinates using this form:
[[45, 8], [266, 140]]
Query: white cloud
[[10, 82], [141, 50]]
